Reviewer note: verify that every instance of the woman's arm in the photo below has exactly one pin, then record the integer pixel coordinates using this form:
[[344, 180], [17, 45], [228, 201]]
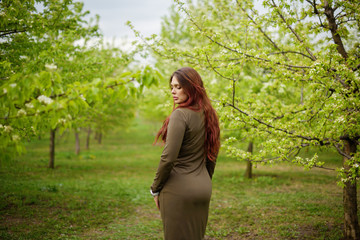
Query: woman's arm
[[175, 134]]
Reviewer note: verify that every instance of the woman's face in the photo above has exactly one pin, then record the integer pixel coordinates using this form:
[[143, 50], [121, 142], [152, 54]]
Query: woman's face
[[177, 91]]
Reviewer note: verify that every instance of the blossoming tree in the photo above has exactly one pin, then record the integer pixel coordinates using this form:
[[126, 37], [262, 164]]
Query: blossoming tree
[[306, 55], [54, 72]]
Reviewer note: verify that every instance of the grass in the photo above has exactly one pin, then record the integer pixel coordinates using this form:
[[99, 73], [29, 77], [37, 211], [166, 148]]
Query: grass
[[103, 194]]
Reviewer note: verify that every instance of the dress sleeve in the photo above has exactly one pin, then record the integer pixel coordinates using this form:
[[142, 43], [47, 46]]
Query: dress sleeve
[[174, 138]]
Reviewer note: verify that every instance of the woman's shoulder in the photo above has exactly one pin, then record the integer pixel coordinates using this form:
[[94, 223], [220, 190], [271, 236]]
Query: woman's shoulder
[[179, 113], [185, 113]]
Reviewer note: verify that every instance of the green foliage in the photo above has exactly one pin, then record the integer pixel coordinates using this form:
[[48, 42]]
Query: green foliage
[[289, 73], [57, 73]]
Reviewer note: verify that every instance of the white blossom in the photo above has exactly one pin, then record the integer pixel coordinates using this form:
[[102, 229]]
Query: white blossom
[[1, 126], [8, 129], [340, 119], [15, 137], [13, 85], [50, 66], [45, 99], [62, 121], [82, 97], [4, 90], [356, 165], [282, 88], [267, 84], [21, 112], [29, 105]]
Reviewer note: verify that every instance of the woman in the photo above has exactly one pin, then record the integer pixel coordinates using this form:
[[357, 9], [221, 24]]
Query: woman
[[182, 185]]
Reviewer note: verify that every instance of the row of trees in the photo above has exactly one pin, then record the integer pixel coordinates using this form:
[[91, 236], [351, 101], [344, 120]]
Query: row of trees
[[56, 73], [284, 75]]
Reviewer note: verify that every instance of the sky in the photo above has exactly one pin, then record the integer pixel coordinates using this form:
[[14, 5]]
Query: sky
[[145, 16]]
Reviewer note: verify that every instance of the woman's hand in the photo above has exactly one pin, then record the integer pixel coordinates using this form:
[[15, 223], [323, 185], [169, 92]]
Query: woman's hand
[[156, 199]]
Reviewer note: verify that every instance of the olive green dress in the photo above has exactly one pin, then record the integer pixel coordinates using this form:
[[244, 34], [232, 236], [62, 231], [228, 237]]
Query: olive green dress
[[183, 177]]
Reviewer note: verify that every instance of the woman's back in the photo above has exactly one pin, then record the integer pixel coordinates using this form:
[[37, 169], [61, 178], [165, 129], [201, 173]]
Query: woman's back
[[191, 154], [185, 197]]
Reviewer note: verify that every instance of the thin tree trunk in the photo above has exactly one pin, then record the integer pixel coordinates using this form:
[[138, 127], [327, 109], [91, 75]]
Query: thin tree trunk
[[96, 135], [77, 143], [248, 171], [88, 138], [52, 148], [99, 137], [351, 222]]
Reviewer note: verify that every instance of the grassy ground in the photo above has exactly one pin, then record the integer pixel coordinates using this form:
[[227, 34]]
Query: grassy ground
[[104, 194]]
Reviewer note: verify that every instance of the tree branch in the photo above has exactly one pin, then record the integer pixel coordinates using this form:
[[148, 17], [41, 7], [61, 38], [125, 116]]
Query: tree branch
[[329, 13], [293, 31], [238, 52], [207, 59], [356, 68], [260, 29], [62, 95], [275, 128], [8, 32], [341, 152], [285, 52], [316, 11]]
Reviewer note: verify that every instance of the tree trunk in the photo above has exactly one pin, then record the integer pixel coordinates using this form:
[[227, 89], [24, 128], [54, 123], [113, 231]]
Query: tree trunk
[[88, 138], [77, 143], [248, 171], [351, 222], [52, 148], [99, 137]]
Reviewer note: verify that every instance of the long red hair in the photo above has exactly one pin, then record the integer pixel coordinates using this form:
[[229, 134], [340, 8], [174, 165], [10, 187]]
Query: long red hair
[[193, 86]]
